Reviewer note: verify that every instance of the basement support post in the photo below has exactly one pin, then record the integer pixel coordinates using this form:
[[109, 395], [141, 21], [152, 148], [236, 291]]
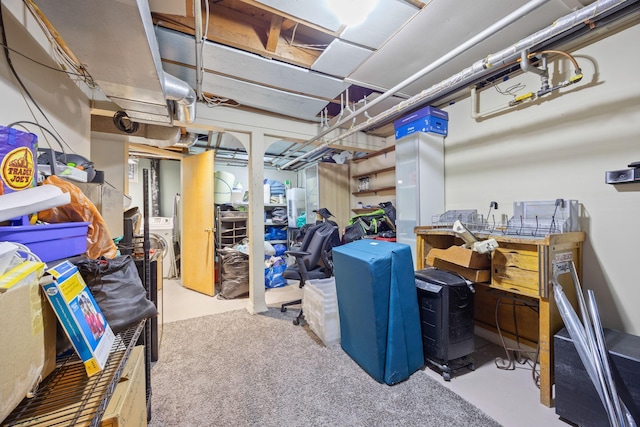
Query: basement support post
[[256, 150]]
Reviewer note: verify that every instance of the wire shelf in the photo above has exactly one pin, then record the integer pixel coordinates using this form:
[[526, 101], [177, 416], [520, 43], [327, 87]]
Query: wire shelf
[[67, 397], [541, 218], [470, 218]]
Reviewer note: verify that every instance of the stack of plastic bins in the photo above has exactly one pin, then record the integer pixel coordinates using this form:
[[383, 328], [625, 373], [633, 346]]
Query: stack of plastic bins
[[320, 307]]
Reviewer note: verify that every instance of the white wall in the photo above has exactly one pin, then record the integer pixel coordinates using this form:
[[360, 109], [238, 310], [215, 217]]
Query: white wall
[[170, 181], [242, 175], [560, 147], [65, 105]]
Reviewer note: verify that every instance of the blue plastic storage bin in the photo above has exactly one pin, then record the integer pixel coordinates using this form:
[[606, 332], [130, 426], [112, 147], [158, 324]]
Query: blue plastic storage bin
[[49, 242]]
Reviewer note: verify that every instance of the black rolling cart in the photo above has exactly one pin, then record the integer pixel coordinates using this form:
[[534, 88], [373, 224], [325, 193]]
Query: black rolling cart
[[446, 317]]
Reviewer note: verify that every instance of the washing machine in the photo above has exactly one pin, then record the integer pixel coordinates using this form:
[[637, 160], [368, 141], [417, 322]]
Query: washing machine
[[163, 228]]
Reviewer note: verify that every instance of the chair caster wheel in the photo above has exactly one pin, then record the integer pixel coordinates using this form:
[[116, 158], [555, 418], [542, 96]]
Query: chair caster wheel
[[296, 322], [283, 309], [446, 376]]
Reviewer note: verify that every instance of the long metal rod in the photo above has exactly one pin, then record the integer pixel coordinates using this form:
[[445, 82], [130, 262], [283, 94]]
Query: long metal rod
[[488, 32], [604, 358], [197, 14], [589, 341], [475, 71]]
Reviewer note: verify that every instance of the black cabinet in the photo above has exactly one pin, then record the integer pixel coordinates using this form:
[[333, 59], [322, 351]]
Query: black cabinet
[[576, 397], [446, 317]]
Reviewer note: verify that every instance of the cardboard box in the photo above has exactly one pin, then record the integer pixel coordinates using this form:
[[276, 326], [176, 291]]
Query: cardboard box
[[128, 404], [427, 119], [476, 276], [79, 315], [423, 112], [460, 256], [424, 124], [27, 334]]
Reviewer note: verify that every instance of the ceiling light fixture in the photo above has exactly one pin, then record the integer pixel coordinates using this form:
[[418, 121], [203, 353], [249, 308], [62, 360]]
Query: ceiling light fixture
[[351, 12]]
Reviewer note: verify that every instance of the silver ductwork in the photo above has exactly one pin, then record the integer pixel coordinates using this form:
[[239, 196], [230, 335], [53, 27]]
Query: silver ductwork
[[116, 43], [179, 91]]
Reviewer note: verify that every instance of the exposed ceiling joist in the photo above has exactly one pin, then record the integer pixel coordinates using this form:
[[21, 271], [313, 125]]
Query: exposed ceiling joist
[[155, 151], [230, 28]]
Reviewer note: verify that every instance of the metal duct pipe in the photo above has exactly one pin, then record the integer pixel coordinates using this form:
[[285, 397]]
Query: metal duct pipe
[[187, 140], [161, 136], [483, 35], [527, 67], [179, 91], [480, 68]]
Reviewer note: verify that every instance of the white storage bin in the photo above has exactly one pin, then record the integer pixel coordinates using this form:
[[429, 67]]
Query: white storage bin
[[320, 307]]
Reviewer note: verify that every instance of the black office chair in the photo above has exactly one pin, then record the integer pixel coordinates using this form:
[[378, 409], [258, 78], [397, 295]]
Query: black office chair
[[313, 259]]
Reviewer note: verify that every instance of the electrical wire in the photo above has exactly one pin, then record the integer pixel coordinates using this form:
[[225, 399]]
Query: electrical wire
[[320, 47], [58, 51], [22, 85], [22, 122], [511, 90], [560, 52], [43, 64]]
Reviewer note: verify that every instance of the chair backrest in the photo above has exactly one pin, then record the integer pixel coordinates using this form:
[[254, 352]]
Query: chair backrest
[[332, 240], [316, 240]]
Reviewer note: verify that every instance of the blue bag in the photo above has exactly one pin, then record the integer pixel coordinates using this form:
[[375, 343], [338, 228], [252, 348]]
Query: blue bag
[[273, 276]]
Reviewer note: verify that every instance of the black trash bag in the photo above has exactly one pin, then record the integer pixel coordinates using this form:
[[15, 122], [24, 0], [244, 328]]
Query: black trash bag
[[118, 290], [353, 232], [390, 211], [235, 274]]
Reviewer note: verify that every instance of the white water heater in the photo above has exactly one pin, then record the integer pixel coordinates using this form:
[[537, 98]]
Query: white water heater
[[295, 205]]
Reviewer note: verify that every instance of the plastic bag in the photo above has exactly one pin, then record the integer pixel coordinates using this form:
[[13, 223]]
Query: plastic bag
[[275, 233], [116, 286], [273, 273], [301, 220], [280, 249], [235, 274], [269, 249], [81, 209]]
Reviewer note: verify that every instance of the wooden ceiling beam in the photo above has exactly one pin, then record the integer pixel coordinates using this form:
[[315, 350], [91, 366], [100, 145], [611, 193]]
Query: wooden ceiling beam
[[274, 33], [274, 11], [240, 31]]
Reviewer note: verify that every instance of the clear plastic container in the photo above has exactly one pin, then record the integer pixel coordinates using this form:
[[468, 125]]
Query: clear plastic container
[[320, 306]]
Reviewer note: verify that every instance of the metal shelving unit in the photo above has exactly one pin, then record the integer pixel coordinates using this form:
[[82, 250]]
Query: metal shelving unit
[[268, 208], [231, 227], [67, 397]]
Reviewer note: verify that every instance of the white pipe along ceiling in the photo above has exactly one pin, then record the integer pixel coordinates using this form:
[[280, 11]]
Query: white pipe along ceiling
[[477, 70], [504, 22]]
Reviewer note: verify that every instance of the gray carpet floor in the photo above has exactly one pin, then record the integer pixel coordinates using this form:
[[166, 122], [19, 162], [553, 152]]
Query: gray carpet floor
[[235, 369]]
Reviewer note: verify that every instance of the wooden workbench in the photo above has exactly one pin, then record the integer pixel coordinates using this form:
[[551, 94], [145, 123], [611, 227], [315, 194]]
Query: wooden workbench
[[522, 266]]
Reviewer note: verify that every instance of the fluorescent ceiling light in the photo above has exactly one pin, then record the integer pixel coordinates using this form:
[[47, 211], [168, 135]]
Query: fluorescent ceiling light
[[351, 12]]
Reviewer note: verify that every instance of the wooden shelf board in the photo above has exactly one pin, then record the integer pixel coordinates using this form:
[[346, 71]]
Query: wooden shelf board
[[377, 153], [373, 191], [374, 172]]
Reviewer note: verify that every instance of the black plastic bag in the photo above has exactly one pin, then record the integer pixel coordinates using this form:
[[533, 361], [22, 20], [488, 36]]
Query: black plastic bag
[[390, 211], [353, 232], [235, 274], [118, 290]]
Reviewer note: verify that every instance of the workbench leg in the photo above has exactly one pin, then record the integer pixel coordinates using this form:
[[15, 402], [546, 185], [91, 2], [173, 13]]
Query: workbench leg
[[420, 252], [546, 354]]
